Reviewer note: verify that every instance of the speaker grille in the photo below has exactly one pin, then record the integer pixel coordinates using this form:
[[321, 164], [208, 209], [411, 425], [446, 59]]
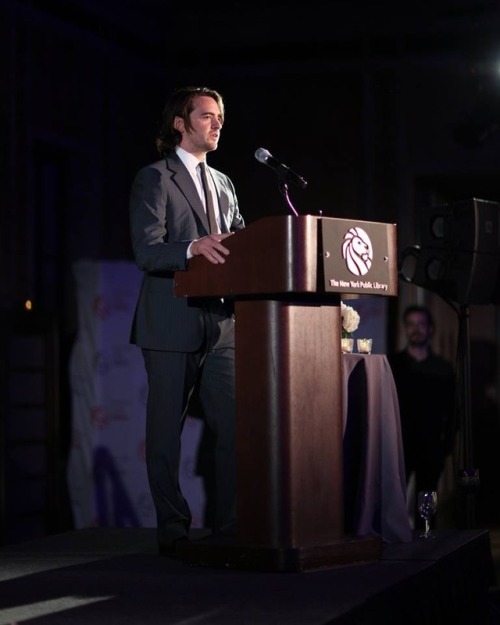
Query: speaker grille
[[459, 252]]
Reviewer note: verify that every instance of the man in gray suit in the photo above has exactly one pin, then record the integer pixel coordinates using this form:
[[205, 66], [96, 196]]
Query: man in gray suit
[[178, 211]]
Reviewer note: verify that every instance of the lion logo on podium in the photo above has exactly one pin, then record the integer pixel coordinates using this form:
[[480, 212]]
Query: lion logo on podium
[[357, 251]]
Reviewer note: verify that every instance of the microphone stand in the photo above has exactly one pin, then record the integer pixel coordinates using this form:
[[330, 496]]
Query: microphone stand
[[284, 192]]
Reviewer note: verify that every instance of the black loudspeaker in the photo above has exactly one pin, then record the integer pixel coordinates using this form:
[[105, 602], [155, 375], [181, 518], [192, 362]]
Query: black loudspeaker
[[459, 254], [466, 226]]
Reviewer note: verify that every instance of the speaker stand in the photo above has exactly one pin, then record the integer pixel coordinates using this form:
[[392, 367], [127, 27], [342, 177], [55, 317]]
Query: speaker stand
[[468, 478]]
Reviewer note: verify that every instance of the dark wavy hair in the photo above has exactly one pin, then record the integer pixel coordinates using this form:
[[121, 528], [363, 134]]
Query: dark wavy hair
[[181, 104]]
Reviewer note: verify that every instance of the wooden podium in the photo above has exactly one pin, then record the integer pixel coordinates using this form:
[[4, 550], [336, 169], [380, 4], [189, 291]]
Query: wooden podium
[[285, 275]]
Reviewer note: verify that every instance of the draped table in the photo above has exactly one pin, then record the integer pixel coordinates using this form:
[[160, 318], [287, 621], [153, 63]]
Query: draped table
[[374, 471]]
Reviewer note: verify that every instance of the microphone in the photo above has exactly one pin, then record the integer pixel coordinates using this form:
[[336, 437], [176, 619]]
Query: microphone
[[284, 172]]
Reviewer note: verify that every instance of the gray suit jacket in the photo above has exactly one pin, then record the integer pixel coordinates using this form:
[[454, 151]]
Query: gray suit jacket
[[166, 214]]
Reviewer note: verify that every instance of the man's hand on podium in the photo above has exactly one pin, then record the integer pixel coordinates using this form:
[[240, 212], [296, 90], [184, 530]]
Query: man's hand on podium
[[211, 247]]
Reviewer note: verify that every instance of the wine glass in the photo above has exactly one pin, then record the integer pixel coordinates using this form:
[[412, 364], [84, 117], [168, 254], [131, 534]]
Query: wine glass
[[427, 504]]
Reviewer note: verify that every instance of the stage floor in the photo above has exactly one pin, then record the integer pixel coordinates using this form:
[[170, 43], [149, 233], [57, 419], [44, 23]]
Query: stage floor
[[113, 576]]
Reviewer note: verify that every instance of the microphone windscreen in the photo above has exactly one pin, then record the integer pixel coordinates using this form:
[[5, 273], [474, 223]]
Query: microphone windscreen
[[262, 155]]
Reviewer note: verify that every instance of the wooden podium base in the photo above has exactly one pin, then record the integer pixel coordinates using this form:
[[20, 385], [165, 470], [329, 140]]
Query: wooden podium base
[[228, 553]]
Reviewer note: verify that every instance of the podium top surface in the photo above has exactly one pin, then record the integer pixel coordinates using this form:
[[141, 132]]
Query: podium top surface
[[281, 255]]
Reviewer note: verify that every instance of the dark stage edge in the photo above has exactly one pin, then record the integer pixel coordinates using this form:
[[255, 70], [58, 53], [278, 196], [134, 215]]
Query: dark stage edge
[[115, 576], [228, 553]]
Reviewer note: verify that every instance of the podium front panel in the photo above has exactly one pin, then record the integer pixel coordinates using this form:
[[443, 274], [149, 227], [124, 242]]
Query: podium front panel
[[359, 257]]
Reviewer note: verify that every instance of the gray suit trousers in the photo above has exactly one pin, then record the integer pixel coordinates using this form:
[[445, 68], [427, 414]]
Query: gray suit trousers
[[172, 376]]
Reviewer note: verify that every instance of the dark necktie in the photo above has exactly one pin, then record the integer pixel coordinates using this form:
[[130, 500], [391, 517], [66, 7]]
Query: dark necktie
[[209, 202]]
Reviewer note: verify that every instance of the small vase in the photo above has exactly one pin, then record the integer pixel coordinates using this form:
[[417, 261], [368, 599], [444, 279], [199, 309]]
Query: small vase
[[364, 346], [347, 345]]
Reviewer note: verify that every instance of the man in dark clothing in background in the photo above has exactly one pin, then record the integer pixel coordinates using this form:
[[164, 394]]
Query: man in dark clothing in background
[[425, 383]]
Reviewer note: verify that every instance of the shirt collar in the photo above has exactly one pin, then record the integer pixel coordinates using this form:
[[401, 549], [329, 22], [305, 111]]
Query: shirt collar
[[189, 160]]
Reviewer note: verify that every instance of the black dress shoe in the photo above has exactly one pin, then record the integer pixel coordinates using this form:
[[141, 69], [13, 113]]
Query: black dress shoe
[[173, 549]]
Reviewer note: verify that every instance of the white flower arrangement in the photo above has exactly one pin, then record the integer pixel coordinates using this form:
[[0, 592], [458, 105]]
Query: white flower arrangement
[[350, 320]]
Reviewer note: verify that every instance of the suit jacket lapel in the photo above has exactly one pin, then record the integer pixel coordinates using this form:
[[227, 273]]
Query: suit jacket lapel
[[182, 179]]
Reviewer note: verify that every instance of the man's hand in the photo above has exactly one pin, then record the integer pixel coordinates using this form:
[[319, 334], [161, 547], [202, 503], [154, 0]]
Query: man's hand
[[211, 247]]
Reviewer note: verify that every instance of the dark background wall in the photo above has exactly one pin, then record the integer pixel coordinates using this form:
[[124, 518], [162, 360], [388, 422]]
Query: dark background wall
[[364, 101], [384, 110]]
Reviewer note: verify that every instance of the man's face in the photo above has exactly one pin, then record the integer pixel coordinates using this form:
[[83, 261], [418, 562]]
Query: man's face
[[206, 122], [417, 329]]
